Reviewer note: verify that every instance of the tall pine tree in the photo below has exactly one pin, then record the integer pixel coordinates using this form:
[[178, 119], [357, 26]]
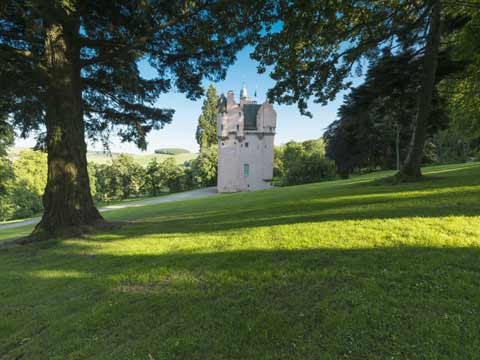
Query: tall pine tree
[[206, 134], [70, 68]]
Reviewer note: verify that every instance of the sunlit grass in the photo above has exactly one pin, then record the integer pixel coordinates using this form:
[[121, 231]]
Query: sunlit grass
[[342, 269]]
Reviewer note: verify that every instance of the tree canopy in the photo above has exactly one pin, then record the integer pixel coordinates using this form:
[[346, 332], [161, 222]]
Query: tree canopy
[[70, 68], [319, 45], [206, 134], [375, 121]]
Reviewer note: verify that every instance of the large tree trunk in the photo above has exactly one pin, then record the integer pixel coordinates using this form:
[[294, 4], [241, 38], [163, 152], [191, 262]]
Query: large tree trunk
[[67, 200], [411, 168]]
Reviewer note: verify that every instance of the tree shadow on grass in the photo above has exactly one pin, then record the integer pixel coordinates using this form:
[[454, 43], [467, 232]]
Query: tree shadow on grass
[[360, 206], [417, 302]]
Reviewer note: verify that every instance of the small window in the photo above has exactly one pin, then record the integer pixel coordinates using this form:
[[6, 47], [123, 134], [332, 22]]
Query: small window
[[221, 126], [240, 114], [246, 144], [238, 127], [223, 144], [246, 170]]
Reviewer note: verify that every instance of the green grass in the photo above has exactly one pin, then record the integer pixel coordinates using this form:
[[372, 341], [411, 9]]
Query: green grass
[[344, 269], [141, 159], [99, 157], [99, 204]]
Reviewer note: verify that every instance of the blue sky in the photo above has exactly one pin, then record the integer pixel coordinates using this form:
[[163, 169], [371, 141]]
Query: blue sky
[[181, 132]]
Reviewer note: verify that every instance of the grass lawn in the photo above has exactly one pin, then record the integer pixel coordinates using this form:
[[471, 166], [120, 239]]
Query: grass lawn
[[344, 269]]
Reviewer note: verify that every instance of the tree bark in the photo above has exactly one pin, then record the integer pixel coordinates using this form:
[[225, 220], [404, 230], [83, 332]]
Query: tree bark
[[397, 145], [68, 204], [411, 168]]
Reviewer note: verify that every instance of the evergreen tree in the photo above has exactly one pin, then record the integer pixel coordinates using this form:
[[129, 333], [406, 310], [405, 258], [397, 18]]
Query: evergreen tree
[[70, 67], [376, 117], [321, 42], [207, 122]]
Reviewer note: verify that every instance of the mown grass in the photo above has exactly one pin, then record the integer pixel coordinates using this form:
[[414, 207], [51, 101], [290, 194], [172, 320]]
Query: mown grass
[[345, 269]]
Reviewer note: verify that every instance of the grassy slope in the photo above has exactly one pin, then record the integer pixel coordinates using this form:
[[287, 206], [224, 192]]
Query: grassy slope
[[344, 269], [99, 157], [142, 159]]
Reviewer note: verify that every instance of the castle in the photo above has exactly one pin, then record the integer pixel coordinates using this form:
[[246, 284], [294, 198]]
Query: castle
[[245, 143]]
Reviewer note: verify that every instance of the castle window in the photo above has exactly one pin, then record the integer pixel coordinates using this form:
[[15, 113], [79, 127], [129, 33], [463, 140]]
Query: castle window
[[246, 170], [246, 144], [238, 127]]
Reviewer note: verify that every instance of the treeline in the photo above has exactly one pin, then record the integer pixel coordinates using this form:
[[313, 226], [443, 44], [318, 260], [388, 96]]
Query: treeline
[[375, 123], [24, 180]]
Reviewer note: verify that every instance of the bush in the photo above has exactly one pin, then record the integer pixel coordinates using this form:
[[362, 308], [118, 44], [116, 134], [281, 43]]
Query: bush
[[204, 167], [301, 163], [309, 169]]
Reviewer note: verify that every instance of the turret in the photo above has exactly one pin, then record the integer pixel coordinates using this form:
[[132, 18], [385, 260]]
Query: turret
[[243, 93]]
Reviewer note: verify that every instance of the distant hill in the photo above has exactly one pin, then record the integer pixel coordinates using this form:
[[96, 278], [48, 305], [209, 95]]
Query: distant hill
[[172, 151], [100, 157]]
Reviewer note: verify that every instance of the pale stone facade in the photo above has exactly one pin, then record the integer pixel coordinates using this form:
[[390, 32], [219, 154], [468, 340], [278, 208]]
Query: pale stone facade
[[245, 143]]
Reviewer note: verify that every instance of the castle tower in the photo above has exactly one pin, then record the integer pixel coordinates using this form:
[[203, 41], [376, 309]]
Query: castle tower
[[246, 133]]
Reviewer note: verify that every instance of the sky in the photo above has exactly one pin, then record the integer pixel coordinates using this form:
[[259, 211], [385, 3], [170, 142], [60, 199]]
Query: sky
[[180, 133]]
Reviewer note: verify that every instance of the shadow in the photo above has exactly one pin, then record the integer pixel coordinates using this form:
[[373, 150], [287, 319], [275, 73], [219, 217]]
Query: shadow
[[356, 202], [254, 304]]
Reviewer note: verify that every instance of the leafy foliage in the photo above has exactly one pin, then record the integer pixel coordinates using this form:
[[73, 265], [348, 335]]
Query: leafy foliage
[[302, 163], [204, 167], [462, 90], [22, 185], [166, 176], [111, 39], [320, 42], [375, 122], [6, 136], [72, 68], [206, 134]]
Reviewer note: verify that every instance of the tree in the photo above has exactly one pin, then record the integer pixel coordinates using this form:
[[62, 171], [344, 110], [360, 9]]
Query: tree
[[70, 68], [30, 172], [164, 176], [206, 134], [303, 162], [462, 89], [319, 44], [204, 167], [6, 172], [6, 136], [6, 181], [376, 117], [127, 177]]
